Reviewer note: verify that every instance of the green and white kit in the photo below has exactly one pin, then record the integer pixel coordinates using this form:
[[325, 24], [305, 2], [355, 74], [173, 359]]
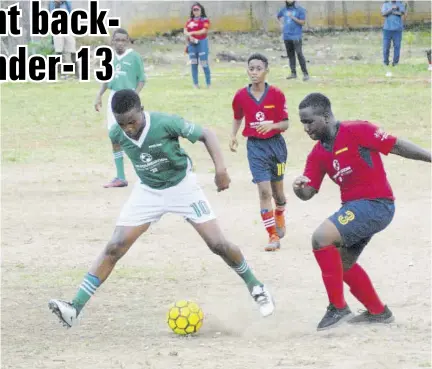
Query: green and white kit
[[167, 183], [128, 71]]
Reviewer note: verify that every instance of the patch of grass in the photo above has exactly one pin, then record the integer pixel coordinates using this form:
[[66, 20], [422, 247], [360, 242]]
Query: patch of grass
[[57, 122], [425, 365]]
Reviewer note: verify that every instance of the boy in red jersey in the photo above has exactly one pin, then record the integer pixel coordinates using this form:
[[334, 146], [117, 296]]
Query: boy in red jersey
[[266, 117], [349, 152]]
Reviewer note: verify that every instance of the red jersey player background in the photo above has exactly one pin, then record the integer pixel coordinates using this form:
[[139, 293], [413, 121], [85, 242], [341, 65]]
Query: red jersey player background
[[264, 109], [196, 32], [349, 153]]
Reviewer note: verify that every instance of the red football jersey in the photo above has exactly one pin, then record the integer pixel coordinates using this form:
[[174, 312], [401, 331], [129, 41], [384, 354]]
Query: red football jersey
[[354, 163], [271, 108], [197, 24]]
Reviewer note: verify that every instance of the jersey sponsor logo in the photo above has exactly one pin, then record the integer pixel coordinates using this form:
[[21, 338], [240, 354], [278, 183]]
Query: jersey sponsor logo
[[269, 106], [188, 129], [340, 173], [146, 158], [336, 165], [119, 71], [155, 145], [260, 116], [150, 164], [261, 119], [341, 151], [348, 217], [380, 134]]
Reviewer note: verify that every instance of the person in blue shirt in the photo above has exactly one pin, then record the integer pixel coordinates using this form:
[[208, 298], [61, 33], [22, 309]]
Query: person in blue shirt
[[393, 12], [64, 44], [292, 17]]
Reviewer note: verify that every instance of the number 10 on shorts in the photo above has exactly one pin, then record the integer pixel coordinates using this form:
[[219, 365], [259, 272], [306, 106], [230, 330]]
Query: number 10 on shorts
[[280, 169], [200, 208]]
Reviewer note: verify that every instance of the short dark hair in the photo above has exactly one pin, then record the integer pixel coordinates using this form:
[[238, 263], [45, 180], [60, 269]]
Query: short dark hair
[[122, 31], [124, 101], [317, 101], [203, 13], [258, 56]]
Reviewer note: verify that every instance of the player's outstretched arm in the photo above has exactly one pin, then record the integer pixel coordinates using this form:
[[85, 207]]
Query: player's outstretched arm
[[233, 144], [409, 150], [140, 86], [302, 190], [98, 101], [211, 143]]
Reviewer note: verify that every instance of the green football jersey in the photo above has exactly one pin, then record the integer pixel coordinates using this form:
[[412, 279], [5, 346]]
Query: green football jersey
[[157, 157], [128, 71]]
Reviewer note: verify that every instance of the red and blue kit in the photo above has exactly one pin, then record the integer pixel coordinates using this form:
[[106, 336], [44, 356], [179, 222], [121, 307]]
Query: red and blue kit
[[267, 153], [353, 162], [271, 108]]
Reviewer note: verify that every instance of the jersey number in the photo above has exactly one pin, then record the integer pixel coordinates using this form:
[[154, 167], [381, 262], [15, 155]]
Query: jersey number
[[280, 169], [200, 208], [348, 217]]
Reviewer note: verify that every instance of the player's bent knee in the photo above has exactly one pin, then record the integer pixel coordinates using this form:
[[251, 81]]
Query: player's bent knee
[[218, 247], [115, 249], [279, 199], [265, 194], [326, 234]]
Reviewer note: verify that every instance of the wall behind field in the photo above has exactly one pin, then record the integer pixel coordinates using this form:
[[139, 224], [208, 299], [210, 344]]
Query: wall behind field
[[143, 18], [146, 18]]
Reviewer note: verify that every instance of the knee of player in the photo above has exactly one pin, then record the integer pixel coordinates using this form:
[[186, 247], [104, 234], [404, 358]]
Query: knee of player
[[347, 264], [265, 194], [320, 239], [325, 235], [218, 246], [280, 199], [115, 249]]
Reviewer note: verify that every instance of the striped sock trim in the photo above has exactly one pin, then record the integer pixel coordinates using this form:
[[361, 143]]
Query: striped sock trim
[[270, 222], [118, 155], [90, 284], [242, 268], [280, 209], [88, 287]]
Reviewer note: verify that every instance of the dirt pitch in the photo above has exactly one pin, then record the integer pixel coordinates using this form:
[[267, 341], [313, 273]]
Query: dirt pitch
[[53, 229], [56, 218]]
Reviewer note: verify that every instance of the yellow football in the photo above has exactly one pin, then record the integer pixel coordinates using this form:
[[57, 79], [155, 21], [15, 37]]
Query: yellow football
[[185, 317]]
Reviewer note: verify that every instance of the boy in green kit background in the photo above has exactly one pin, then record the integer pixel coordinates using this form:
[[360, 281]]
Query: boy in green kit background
[[128, 74]]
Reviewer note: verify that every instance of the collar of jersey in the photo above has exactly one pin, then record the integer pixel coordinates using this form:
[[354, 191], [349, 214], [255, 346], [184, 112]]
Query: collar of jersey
[[329, 146], [143, 134], [262, 96], [120, 57]]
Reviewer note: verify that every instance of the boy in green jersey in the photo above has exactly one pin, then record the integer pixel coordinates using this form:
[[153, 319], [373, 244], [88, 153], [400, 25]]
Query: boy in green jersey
[[128, 74], [166, 185]]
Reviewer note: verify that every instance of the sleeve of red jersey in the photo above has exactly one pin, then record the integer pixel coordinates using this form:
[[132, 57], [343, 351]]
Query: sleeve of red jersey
[[282, 109], [372, 137], [313, 170], [206, 23], [237, 108]]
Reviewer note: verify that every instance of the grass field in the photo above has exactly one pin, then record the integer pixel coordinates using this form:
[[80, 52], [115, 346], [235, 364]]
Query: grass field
[[56, 217]]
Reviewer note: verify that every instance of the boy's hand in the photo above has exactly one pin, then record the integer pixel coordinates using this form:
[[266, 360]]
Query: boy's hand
[[233, 144], [222, 180]]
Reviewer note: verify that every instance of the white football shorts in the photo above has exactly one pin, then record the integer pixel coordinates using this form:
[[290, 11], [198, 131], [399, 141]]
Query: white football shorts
[[147, 205]]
